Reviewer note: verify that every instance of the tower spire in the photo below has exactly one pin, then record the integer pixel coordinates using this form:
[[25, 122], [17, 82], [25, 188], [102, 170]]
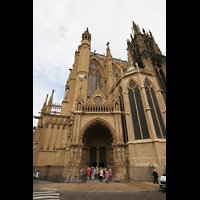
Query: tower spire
[[86, 35], [136, 28]]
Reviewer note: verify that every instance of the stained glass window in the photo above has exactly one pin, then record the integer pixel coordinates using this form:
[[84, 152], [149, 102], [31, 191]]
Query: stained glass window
[[90, 85], [137, 112], [98, 100], [95, 79], [93, 66], [155, 110]]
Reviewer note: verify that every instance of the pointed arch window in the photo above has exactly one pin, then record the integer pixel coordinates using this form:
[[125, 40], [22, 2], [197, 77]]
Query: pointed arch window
[[95, 79], [115, 74], [123, 117], [137, 112], [161, 81], [155, 110]]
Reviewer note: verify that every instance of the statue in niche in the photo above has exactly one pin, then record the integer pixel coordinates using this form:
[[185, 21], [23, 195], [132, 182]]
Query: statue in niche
[[123, 154], [72, 155], [114, 153], [118, 153], [79, 106], [76, 154]]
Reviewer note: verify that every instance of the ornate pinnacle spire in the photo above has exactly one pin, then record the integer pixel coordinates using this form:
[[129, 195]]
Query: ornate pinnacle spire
[[51, 98], [136, 28], [44, 105], [108, 50]]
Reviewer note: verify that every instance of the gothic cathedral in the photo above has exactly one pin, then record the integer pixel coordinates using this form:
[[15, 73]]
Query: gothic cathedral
[[113, 113]]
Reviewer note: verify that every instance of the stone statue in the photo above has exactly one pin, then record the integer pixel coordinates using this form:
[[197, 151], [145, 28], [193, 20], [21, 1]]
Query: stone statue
[[123, 154]]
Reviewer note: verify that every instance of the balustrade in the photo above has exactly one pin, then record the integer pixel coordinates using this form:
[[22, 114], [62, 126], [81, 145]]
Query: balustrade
[[96, 108]]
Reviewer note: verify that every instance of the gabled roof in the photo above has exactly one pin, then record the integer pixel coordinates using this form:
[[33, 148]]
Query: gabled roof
[[97, 93]]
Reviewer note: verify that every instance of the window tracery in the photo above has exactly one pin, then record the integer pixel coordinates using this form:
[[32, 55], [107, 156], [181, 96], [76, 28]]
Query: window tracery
[[123, 117], [95, 79], [115, 74], [98, 100], [137, 112], [155, 110]]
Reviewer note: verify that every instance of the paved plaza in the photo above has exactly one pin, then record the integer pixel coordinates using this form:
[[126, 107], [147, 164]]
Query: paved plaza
[[98, 190]]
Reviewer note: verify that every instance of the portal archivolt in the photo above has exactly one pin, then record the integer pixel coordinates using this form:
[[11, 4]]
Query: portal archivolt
[[97, 149]]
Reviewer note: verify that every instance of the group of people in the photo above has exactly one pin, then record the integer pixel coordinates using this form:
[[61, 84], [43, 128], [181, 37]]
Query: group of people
[[93, 173]]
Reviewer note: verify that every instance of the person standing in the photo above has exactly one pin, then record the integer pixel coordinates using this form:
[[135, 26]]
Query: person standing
[[37, 175], [101, 175], [88, 173], [104, 173], [97, 172], [81, 174], [94, 173], [107, 176], [34, 176], [155, 175], [91, 173]]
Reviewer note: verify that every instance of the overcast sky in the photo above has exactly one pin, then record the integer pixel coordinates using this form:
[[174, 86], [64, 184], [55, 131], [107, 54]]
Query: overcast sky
[[58, 26]]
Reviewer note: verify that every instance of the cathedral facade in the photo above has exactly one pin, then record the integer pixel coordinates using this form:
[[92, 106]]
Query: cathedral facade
[[113, 113]]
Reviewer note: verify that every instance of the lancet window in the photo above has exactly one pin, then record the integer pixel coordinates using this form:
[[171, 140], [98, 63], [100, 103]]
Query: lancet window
[[155, 110], [123, 117], [95, 79], [115, 74], [137, 112]]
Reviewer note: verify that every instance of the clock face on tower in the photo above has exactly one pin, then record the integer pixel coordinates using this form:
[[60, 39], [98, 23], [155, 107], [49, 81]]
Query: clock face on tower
[[81, 76]]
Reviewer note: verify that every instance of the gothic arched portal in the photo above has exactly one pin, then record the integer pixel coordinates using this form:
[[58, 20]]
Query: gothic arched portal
[[97, 147]]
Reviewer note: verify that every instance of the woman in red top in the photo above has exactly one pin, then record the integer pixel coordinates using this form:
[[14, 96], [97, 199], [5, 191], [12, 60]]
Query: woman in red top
[[107, 176], [88, 173]]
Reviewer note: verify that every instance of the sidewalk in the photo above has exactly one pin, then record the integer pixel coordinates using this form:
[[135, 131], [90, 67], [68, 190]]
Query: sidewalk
[[96, 186]]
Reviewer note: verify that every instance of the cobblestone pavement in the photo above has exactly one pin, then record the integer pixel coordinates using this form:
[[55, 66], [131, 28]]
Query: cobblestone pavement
[[139, 195]]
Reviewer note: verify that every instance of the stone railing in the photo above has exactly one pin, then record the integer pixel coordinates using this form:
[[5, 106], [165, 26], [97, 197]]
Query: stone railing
[[98, 108], [56, 108]]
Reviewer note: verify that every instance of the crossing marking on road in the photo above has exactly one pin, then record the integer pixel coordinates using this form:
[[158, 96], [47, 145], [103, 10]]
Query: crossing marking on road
[[43, 192], [46, 195], [49, 188]]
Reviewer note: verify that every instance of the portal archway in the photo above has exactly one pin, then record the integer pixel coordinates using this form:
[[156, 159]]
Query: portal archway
[[97, 149]]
